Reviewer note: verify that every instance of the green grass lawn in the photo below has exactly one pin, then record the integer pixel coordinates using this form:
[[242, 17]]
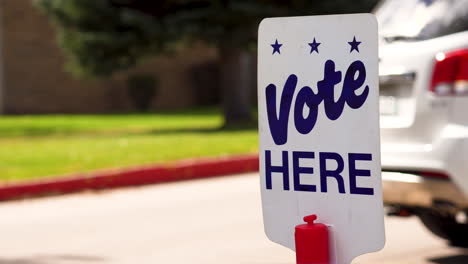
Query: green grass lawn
[[55, 145]]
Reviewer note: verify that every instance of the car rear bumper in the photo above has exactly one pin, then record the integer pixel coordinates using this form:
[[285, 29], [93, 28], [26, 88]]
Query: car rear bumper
[[411, 190]]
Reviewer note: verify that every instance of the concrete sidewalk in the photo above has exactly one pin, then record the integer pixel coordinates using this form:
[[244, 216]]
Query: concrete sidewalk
[[209, 221]]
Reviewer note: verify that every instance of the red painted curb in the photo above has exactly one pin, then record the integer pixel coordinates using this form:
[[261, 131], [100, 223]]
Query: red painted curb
[[183, 170]]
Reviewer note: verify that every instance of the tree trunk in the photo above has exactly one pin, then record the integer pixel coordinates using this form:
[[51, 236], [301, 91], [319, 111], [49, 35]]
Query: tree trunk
[[236, 73]]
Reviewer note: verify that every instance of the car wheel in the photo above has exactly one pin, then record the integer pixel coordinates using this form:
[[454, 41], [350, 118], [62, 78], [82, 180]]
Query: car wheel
[[446, 227]]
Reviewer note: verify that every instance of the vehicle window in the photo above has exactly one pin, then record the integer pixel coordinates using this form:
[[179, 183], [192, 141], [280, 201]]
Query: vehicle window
[[421, 19]]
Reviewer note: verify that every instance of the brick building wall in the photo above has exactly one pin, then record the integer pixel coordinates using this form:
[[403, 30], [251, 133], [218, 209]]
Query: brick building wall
[[34, 79]]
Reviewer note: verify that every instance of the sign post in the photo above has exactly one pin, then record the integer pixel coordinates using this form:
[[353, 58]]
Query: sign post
[[319, 132]]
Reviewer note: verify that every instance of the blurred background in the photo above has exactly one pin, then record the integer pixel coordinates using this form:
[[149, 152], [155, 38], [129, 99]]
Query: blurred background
[[157, 81], [103, 93]]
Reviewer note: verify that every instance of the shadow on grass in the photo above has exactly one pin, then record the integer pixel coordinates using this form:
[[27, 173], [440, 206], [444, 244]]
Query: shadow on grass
[[53, 259], [208, 130], [51, 132], [36, 129]]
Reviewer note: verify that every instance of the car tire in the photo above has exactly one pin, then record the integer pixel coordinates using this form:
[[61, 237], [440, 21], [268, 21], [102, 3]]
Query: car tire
[[446, 227]]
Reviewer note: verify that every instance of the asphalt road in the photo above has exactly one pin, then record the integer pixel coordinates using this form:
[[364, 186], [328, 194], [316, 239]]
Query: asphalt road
[[210, 221]]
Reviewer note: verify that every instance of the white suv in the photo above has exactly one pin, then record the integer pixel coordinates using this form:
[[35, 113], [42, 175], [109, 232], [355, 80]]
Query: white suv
[[424, 112]]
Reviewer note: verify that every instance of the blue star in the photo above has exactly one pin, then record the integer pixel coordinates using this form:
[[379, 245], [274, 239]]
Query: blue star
[[314, 46], [276, 47], [354, 45]]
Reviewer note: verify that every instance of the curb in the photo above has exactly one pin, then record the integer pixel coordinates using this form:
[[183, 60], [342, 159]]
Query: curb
[[178, 171]]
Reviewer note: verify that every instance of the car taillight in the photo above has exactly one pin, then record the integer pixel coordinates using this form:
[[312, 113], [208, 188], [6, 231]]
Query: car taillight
[[432, 174], [450, 75]]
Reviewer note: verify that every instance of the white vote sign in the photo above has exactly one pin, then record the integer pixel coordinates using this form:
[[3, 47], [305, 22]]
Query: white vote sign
[[319, 130]]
